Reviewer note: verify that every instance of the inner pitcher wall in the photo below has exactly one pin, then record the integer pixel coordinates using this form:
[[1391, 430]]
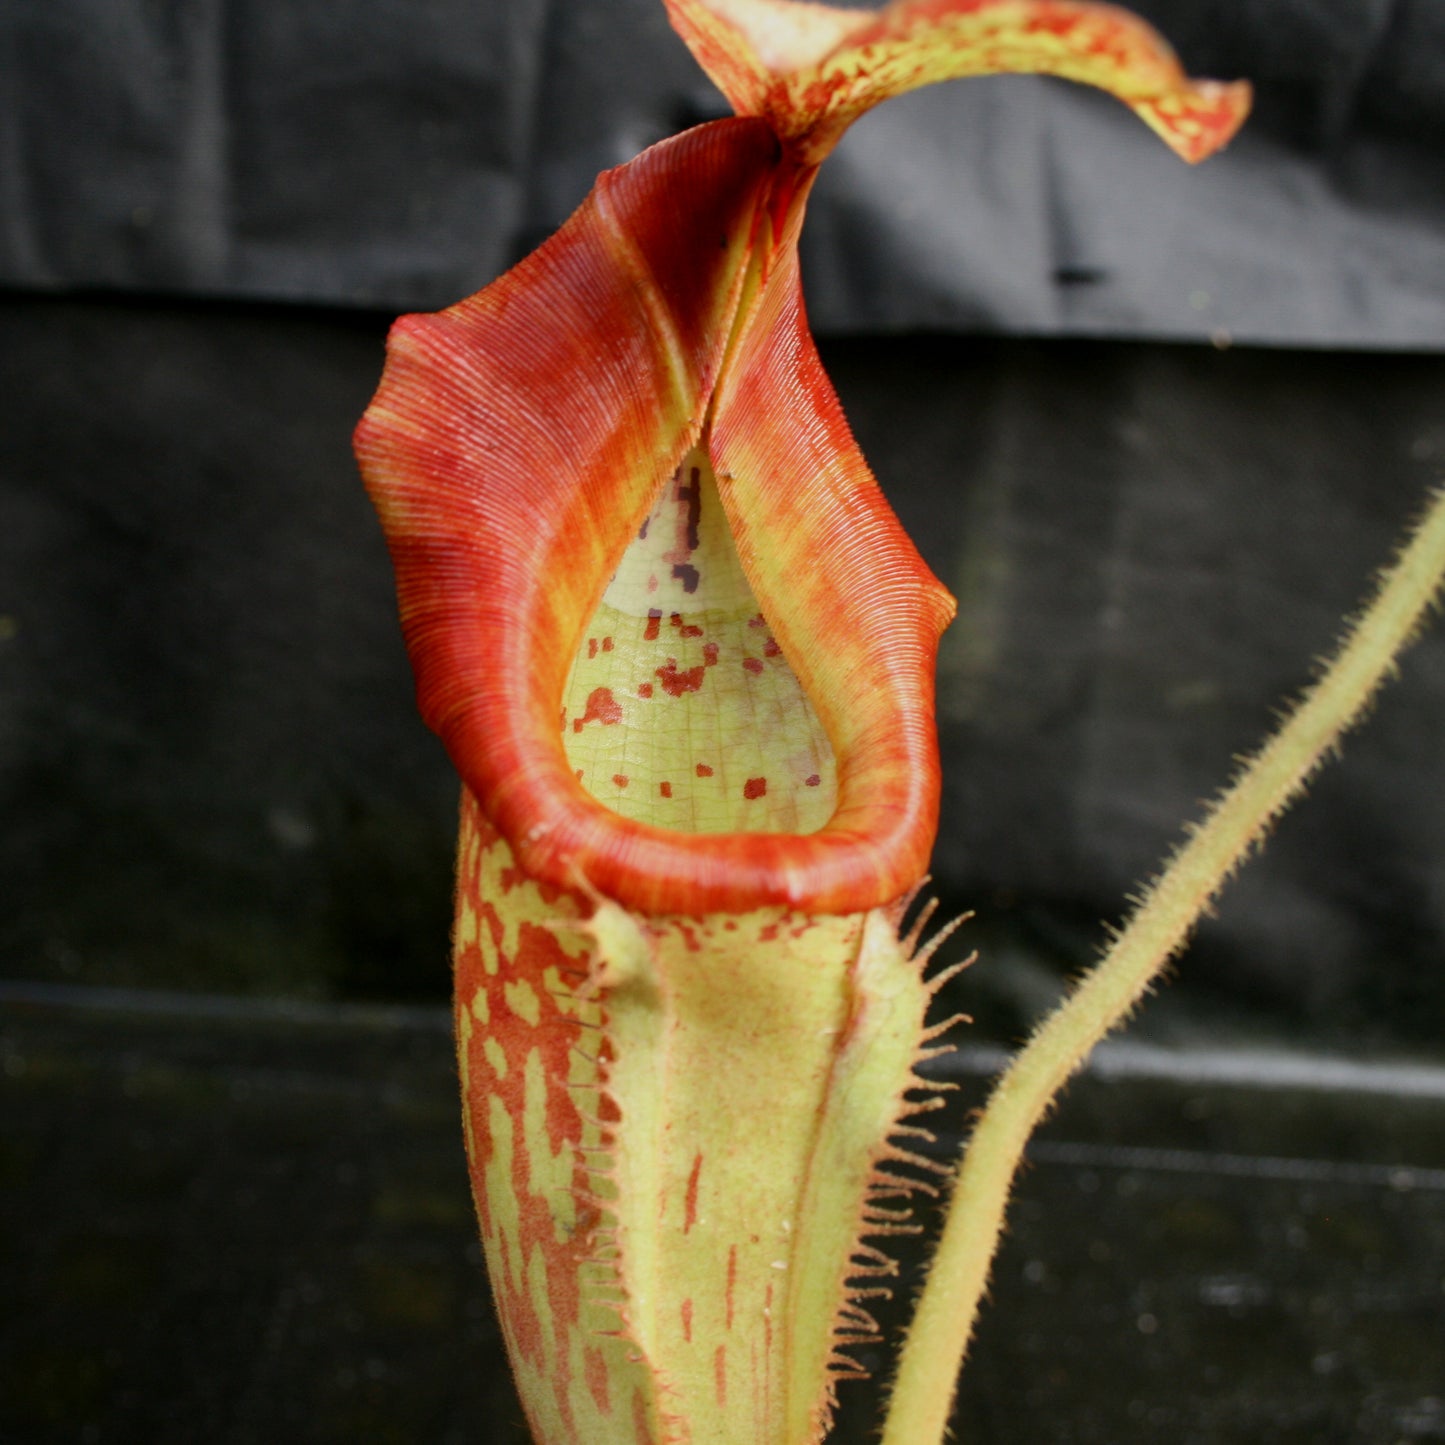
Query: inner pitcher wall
[[680, 710]]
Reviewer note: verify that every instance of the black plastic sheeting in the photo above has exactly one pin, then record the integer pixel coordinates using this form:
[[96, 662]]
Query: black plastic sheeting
[[398, 156]]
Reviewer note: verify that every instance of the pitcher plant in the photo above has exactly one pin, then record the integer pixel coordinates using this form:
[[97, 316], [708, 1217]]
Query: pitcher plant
[[681, 653]]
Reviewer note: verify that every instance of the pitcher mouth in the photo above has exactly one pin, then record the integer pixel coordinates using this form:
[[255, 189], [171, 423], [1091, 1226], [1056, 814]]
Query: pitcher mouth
[[682, 710], [514, 449]]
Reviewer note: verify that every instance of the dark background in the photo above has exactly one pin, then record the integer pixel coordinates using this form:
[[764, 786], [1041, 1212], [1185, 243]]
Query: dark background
[[1154, 426]]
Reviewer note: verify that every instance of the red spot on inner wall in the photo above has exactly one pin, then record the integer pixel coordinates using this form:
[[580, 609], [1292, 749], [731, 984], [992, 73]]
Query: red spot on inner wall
[[755, 787], [607, 644], [753, 664], [728, 1297], [771, 649], [720, 1374], [654, 621], [601, 707], [676, 682], [685, 629], [620, 779], [644, 689], [709, 654], [812, 780], [703, 771], [665, 789], [591, 647], [687, 1321], [689, 1203], [758, 621]]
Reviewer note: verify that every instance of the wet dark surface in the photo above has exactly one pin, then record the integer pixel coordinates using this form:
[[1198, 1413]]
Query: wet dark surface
[[241, 1223]]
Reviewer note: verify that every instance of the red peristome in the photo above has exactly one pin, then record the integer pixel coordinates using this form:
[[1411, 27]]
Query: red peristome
[[515, 445], [863, 613]]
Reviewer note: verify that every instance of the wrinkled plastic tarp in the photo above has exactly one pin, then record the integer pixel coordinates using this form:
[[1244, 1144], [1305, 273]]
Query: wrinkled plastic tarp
[[388, 154]]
